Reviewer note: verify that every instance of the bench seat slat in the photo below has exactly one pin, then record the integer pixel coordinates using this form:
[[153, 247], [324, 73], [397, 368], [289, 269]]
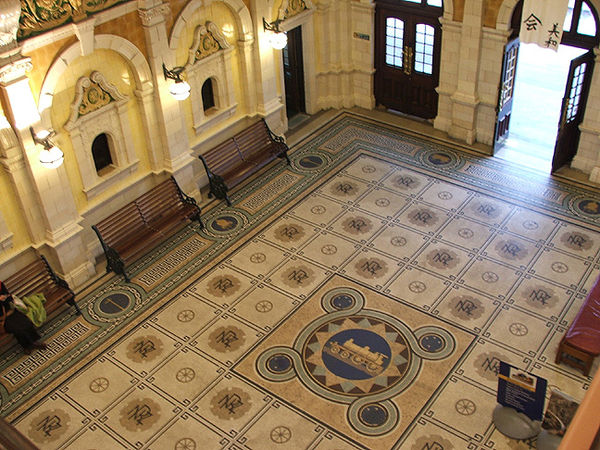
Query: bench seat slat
[[142, 224], [240, 156], [35, 278]]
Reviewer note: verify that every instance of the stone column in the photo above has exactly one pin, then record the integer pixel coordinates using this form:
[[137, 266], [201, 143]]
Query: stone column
[[464, 100], [48, 204], [246, 57], [267, 63], [177, 156]]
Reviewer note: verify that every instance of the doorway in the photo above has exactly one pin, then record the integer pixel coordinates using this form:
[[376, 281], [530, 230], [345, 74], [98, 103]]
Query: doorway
[[536, 106], [293, 76], [543, 93], [408, 38]]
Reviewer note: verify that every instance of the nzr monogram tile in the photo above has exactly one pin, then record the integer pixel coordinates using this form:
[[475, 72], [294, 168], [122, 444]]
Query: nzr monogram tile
[[52, 423], [289, 233], [230, 404], [143, 350], [222, 286], [139, 415], [541, 297], [227, 339], [344, 189], [486, 210], [577, 241]]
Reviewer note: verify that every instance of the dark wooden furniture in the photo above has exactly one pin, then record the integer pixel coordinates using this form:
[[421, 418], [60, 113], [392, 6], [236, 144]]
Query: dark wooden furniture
[[581, 342], [234, 160], [135, 228], [38, 277]]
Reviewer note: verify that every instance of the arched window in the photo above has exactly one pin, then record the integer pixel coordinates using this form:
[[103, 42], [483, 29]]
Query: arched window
[[208, 96], [101, 152]]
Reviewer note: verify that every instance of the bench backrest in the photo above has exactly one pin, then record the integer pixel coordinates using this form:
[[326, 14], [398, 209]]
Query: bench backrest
[[253, 139], [159, 200], [121, 224], [222, 157], [34, 278]]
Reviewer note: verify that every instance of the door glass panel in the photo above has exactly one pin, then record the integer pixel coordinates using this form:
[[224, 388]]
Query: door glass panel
[[575, 93], [569, 16], [413, 1], [394, 41], [509, 76], [587, 24], [437, 3], [424, 48]]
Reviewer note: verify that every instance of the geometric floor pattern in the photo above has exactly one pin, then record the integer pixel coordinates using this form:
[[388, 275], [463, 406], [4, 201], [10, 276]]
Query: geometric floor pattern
[[366, 308]]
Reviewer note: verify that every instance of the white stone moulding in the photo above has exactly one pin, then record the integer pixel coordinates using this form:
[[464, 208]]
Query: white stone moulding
[[111, 119]]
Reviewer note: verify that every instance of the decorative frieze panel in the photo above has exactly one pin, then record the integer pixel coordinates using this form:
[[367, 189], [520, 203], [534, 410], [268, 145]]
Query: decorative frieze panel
[[92, 93], [38, 16], [208, 39], [290, 8]]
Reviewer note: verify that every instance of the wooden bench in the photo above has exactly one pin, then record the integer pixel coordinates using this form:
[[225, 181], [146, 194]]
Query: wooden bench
[[581, 342], [38, 277], [231, 162], [137, 227]]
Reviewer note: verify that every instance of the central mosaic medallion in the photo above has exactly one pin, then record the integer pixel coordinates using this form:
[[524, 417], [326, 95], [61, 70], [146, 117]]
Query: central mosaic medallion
[[356, 357], [352, 352]]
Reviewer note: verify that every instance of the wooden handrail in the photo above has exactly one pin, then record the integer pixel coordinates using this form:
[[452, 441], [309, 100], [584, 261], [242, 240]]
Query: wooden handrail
[[12, 439], [583, 429]]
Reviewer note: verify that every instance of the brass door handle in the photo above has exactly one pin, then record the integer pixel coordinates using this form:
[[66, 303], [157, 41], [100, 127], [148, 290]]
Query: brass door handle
[[408, 57]]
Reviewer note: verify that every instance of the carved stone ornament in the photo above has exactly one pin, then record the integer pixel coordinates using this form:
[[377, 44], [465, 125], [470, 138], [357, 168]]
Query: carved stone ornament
[[38, 16], [10, 11], [290, 8], [92, 93], [14, 70], [208, 39], [154, 15]]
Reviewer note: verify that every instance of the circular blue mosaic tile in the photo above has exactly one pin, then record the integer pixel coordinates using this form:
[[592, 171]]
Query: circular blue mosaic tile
[[279, 363], [373, 415], [343, 301], [310, 162], [114, 303]]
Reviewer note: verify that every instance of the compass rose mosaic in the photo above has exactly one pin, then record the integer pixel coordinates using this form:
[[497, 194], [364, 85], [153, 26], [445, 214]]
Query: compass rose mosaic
[[356, 355]]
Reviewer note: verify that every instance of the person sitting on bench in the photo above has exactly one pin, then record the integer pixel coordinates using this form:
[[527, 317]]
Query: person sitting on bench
[[17, 323]]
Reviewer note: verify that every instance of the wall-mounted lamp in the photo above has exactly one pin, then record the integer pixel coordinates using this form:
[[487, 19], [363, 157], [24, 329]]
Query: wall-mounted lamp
[[52, 156], [277, 38], [180, 90]]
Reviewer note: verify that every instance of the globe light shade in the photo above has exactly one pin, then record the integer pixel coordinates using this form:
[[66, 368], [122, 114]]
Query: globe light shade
[[278, 40], [51, 158], [180, 90]]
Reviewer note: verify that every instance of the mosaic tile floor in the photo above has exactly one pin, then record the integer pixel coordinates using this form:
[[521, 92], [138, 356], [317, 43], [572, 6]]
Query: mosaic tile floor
[[361, 297]]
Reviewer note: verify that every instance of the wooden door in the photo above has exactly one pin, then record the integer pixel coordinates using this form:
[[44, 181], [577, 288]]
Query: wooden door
[[293, 73], [506, 93], [407, 59], [573, 108]]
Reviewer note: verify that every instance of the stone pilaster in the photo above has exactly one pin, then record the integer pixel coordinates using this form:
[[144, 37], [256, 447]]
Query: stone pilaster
[[49, 206], [177, 156]]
